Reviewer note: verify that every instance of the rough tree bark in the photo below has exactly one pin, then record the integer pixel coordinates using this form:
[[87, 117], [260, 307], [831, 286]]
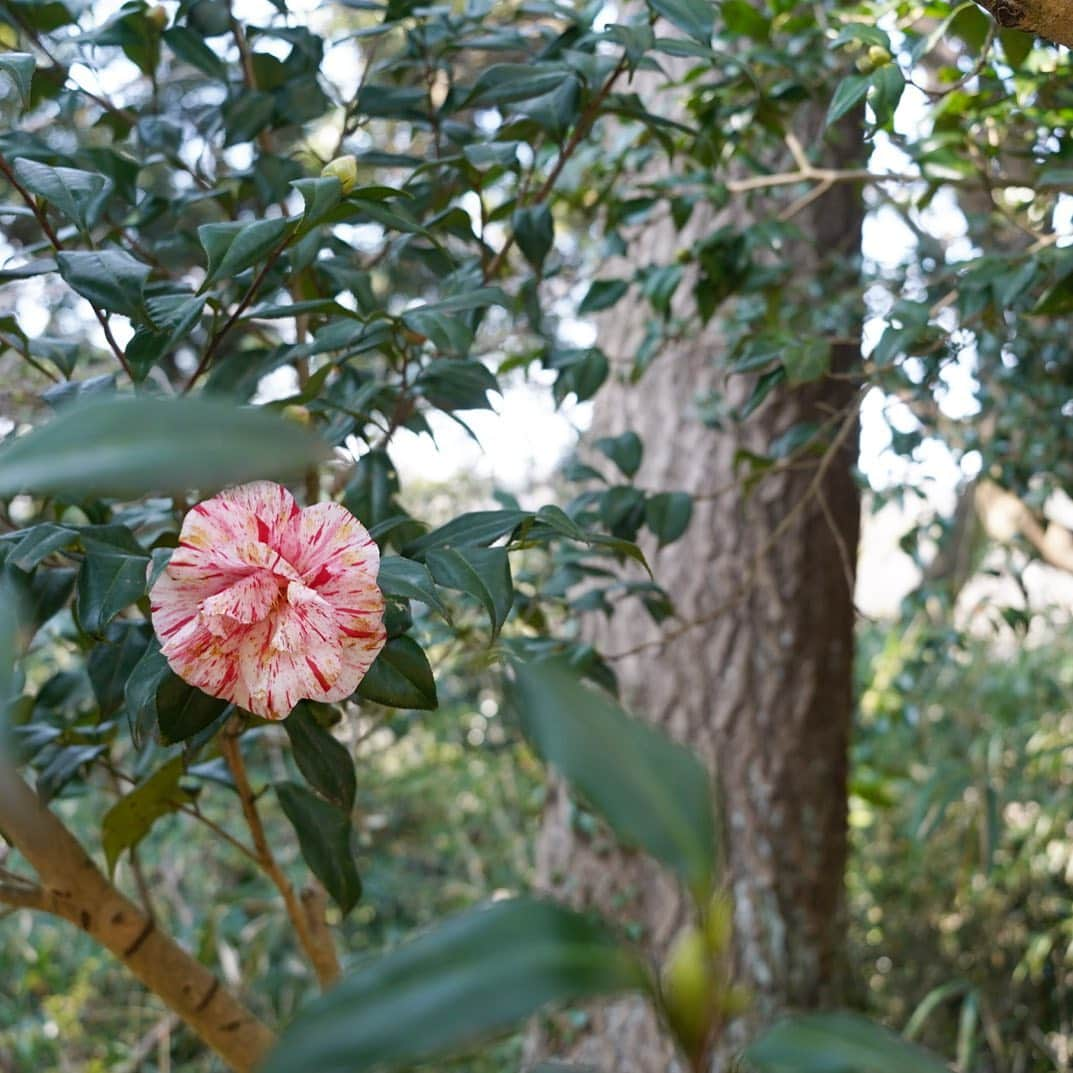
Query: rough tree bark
[[1050, 19], [763, 689]]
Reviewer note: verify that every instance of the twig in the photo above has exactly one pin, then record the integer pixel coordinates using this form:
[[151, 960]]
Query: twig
[[218, 336], [54, 241], [788, 519], [584, 125], [318, 947]]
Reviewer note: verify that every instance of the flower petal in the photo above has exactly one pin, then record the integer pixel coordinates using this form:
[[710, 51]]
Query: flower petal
[[325, 541], [246, 601]]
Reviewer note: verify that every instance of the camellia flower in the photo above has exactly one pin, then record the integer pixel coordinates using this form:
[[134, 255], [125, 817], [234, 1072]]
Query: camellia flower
[[265, 604]]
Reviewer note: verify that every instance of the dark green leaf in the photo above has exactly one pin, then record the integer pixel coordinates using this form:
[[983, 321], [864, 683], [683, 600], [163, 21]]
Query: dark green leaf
[[401, 677], [324, 836], [693, 17], [19, 67], [603, 294], [79, 195], [112, 577], [850, 92], [324, 761], [837, 1043], [183, 711], [125, 447], [475, 975], [668, 515], [404, 577], [654, 793], [39, 542], [478, 529], [233, 247], [626, 451], [481, 572], [806, 361], [110, 279], [534, 231]]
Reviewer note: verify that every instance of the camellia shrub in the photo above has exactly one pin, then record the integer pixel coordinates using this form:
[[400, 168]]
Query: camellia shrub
[[380, 212]]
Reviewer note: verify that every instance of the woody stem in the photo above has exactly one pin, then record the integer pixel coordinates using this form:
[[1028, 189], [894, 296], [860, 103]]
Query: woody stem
[[313, 935]]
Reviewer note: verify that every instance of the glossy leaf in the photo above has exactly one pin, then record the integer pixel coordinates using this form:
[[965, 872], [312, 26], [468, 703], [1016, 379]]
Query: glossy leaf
[[324, 761], [481, 572], [409, 579], [324, 836], [475, 975], [837, 1043], [668, 515], [231, 248], [124, 447], [79, 195], [478, 529], [401, 677], [626, 451], [654, 793], [693, 17], [111, 279], [19, 67], [112, 577]]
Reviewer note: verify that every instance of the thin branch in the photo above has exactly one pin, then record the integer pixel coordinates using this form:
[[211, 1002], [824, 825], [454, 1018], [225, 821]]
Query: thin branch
[[317, 945], [582, 128], [810, 493], [219, 335]]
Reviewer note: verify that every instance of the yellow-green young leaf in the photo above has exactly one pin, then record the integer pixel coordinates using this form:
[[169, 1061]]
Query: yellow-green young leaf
[[132, 817], [654, 793], [473, 976], [125, 447]]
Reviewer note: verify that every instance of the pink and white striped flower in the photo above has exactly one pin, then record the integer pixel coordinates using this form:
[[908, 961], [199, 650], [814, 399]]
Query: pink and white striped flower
[[265, 604]]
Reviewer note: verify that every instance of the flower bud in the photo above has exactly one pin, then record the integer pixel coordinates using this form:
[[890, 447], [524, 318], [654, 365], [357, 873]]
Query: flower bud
[[158, 17], [345, 169], [719, 924], [690, 989], [734, 1001], [300, 415]]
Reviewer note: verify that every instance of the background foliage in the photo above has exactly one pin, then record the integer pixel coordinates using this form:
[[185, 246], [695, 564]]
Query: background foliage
[[168, 231]]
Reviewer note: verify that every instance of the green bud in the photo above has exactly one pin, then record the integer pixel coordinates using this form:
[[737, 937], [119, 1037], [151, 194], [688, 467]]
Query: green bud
[[735, 1000], [345, 169], [690, 989], [719, 924]]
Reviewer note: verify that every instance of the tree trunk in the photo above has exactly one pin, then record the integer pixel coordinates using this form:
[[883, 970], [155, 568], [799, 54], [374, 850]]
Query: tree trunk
[[762, 688]]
